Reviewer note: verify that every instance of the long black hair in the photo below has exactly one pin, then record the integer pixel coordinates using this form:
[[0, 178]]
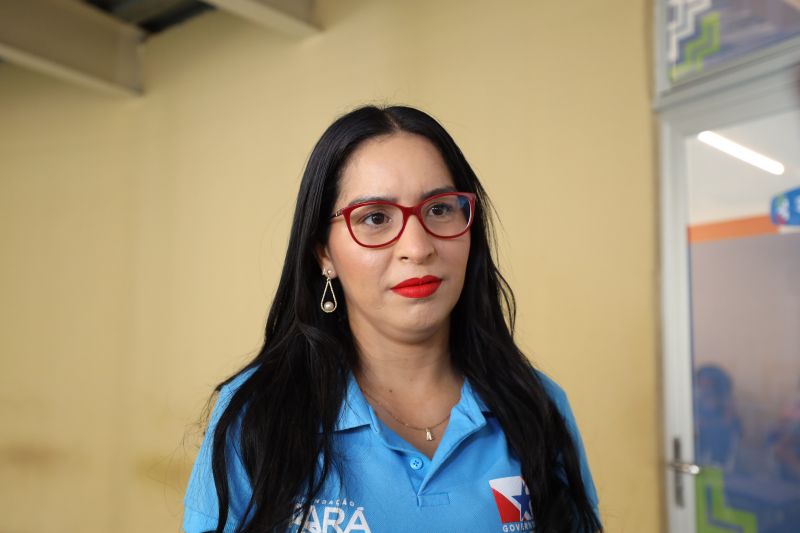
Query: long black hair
[[297, 382]]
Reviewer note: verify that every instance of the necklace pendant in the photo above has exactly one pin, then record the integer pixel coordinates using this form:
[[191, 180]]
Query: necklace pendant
[[428, 435]]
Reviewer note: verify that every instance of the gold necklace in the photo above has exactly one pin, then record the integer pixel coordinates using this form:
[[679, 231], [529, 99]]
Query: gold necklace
[[428, 434]]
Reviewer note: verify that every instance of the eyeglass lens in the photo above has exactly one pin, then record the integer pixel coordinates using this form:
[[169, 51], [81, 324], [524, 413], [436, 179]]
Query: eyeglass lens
[[443, 216]]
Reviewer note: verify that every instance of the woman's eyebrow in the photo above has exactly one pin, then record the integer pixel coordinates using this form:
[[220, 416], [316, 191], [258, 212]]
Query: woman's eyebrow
[[393, 199]]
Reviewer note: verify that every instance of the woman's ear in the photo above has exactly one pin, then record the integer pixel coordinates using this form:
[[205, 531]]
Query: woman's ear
[[323, 259]]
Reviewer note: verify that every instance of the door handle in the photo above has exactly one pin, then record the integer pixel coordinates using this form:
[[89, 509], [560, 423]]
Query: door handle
[[680, 469], [684, 468]]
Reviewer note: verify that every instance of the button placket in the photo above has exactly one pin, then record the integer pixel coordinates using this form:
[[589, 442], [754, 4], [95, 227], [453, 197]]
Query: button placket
[[466, 420]]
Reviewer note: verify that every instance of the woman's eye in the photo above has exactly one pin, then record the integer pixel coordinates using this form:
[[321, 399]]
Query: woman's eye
[[374, 219], [440, 209]]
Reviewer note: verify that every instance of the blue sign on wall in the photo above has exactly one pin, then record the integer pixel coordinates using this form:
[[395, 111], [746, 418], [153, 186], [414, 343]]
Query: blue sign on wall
[[785, 208]]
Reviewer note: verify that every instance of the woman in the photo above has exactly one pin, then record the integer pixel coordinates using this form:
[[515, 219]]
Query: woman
[[389, 395]]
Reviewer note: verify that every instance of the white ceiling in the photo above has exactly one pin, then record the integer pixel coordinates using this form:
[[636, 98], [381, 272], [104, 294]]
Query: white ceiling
[[724, 188]]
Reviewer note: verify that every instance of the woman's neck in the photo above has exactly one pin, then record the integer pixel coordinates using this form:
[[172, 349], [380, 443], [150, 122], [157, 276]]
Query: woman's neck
[[405, 369], [405, 374]]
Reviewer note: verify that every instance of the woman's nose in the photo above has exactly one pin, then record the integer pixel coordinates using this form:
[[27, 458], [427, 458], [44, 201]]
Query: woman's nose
[[415, 243]]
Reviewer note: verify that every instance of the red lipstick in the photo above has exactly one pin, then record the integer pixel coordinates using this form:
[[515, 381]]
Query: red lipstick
[[418, 287]]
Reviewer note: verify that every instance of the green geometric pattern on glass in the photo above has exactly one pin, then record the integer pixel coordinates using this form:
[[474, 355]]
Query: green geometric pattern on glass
[[700, 47], [712, 478]]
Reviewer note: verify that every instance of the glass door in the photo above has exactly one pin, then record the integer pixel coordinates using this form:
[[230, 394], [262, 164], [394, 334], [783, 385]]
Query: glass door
[[744, 274], [731, 296]]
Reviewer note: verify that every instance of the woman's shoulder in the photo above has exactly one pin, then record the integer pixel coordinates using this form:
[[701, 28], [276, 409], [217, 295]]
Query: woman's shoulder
[[553, 390], [559, 397], [200, 501], [235, 383], [227, 391], [224, 397], [560, 400]]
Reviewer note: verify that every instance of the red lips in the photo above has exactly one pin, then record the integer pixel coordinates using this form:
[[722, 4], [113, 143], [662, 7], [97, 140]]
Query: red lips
[[418, 287], [417, 281]]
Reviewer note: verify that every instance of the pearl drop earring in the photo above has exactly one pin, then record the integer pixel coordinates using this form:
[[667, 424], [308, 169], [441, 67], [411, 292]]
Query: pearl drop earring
[[329, 306]]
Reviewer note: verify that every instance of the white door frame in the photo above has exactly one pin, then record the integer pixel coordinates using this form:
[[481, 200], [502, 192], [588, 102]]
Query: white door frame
[[757, 98]]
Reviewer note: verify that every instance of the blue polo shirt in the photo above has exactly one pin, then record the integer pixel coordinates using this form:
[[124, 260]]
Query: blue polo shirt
[[472, 483]]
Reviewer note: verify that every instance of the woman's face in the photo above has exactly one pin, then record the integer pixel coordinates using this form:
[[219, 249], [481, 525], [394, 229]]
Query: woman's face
[[401, 168]]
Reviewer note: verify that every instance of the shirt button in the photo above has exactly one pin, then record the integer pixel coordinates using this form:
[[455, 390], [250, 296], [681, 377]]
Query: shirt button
[[416, 463]]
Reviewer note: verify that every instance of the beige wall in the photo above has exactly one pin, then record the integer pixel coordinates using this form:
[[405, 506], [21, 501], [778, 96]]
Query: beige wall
[[142, 238]]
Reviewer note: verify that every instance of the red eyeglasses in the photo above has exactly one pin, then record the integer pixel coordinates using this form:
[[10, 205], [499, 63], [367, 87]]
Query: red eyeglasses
[[379, 223]]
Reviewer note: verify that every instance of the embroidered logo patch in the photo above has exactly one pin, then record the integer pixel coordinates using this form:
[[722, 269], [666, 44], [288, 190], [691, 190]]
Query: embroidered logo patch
[[513, 501]]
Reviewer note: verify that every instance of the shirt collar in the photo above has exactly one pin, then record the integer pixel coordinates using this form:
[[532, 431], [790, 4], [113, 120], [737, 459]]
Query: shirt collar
[[470, 394], [355, 411]]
